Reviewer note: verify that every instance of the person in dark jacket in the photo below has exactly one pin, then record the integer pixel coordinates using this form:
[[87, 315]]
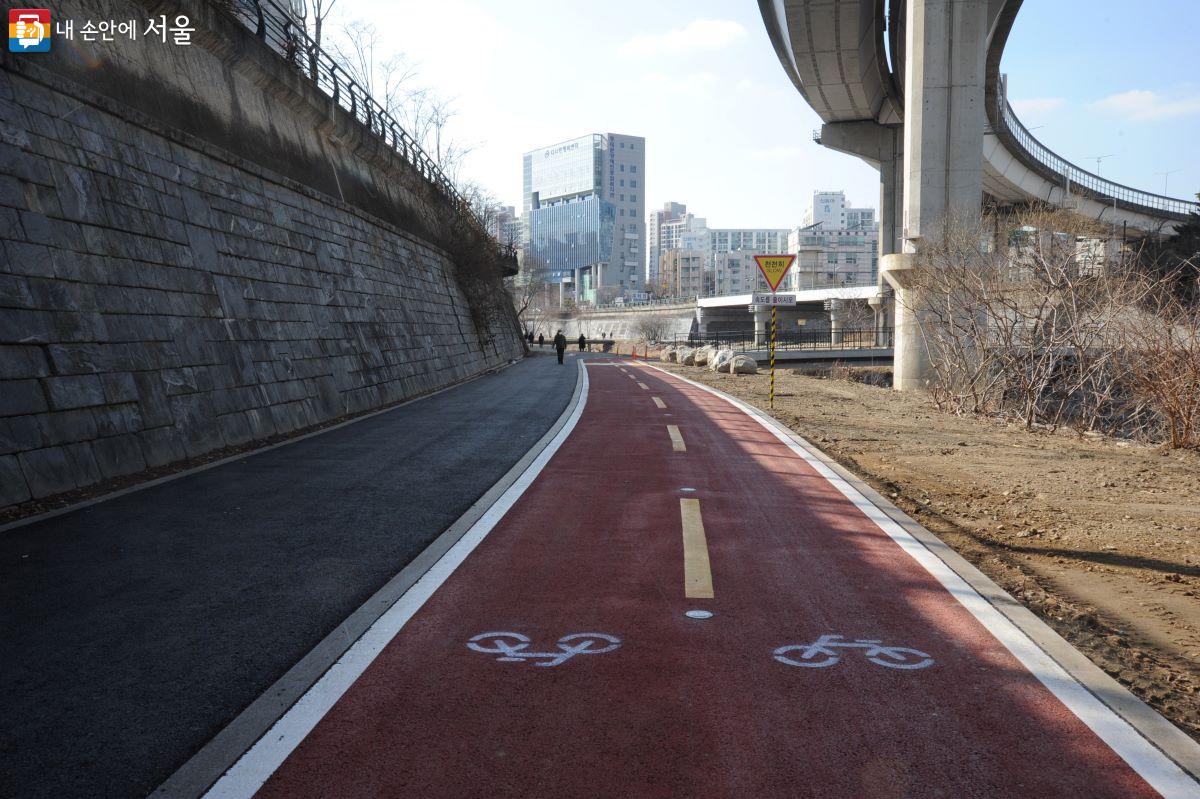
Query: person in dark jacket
[[541, 340], [582, 342], [560, 345]]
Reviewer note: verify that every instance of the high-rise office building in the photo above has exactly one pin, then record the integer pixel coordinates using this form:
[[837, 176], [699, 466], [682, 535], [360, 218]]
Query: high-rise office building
[[584, 212]]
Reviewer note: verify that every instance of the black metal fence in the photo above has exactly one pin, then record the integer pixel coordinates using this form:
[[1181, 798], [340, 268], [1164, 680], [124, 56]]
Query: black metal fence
[[276, 28], [845, 339], [1102, 189]]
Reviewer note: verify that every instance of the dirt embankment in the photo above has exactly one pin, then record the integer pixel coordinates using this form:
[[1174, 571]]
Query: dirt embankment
[[1099, 537]]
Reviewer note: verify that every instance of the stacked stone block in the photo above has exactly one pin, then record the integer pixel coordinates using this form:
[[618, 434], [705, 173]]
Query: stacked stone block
[[161, 298]]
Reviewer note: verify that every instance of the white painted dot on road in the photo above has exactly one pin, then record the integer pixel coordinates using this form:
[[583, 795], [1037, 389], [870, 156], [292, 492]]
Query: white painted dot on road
[[687, 489], [698, 614]]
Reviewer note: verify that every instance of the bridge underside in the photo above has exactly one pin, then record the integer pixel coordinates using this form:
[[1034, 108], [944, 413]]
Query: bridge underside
[[919, 95], [849, 59]]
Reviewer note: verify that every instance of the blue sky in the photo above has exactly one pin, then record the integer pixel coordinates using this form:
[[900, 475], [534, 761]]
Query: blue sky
[[1124, 83], [729, 135]]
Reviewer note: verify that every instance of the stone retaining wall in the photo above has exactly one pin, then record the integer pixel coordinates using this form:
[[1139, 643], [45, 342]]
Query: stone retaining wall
[[162, 296]]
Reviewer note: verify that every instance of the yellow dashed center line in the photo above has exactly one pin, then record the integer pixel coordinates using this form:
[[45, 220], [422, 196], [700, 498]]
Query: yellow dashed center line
[[658, 402], [676, 439], [697, 575]]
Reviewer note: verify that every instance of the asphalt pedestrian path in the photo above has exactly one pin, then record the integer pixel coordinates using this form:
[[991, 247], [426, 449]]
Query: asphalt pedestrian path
[[134, 630]]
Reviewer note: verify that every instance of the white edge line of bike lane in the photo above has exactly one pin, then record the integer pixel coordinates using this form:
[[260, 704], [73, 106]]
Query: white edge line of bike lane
[[1027, 642], [256, 766]]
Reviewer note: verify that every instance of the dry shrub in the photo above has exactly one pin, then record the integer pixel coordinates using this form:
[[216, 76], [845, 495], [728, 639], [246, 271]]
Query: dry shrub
[[652, 326], [1020, 321], [1164, 370]]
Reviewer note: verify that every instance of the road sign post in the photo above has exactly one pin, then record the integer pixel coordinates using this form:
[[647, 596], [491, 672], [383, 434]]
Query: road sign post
[[772, 357], [773, 268]]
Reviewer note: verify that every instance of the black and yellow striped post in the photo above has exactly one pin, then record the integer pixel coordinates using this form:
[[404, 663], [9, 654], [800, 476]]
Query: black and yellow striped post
[[774, 268], [772, 355]]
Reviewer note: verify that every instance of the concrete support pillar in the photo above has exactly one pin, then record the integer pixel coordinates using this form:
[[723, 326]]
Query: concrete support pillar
[[891, 194], [837, 320], [762, 325], [881, 146], [945, 44], [911, 368], [881, 304]]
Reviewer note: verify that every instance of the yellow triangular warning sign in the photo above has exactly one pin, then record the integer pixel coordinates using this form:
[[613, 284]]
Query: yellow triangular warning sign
[[774, 267]]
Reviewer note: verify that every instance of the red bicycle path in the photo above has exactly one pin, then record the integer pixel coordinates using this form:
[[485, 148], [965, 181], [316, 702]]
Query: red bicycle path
[[688, 707]]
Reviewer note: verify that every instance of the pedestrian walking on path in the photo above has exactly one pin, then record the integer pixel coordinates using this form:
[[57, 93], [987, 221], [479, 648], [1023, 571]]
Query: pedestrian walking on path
[[541, 340], [582, 342], [560, 345]]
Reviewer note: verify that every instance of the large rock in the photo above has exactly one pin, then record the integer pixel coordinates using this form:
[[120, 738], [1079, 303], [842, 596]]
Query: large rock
[[717, 361], [743, 365], [669, 355], [702, 356], [687, 356]]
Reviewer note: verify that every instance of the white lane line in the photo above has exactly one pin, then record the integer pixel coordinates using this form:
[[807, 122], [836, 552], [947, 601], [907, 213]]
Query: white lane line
[[643, 385], [261, 761], [658, 402], [1162, 773]]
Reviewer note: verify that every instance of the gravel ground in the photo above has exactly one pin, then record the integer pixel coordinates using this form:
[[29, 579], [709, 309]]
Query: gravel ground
[[1099, 537]]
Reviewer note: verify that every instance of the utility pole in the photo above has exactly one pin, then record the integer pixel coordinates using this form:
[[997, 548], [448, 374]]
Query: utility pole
[[1098, 159], [1166, 175]]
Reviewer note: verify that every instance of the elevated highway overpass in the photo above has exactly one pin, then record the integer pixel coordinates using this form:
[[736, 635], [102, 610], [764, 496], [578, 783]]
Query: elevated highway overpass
[[914, 88]]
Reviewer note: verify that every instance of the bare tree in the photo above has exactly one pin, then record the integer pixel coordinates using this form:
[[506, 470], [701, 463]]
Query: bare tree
[[532, 295], [391, 79], [652, 326], [321, 9], [1019, 322]]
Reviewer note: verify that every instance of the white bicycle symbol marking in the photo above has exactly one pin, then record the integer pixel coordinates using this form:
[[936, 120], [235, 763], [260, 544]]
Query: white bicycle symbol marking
[[511, 647], [820, 653]]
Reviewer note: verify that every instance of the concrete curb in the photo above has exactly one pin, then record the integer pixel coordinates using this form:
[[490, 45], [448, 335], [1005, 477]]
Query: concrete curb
[[205, 767], [1152, 726]]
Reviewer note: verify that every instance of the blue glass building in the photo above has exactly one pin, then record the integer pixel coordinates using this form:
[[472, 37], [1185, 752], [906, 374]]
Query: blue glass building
[[584, 202]]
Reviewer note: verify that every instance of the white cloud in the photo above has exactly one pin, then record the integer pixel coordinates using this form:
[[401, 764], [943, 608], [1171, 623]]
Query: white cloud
[[1037, 106], [1141, 104], [700, 34]]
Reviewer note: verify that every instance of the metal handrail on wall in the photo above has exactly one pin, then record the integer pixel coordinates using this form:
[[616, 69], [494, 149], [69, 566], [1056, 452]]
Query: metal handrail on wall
[[1075, 176], [276, 28], [618, 306], [823, 339]]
